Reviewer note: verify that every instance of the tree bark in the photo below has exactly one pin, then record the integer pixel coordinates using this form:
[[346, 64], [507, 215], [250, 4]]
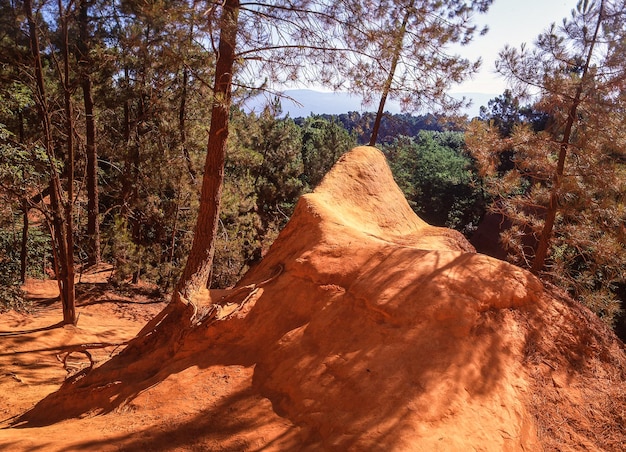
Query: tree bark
[[553, 206], [58, 215], [24, 245], [197, 271], [182, 126], [392, 72], [25, 222], [67, 233], [126, 177], [85, 63]]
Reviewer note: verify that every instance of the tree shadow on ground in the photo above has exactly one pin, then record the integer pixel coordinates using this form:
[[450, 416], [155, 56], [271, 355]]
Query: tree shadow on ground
[[382, 369], [575, 360], [32, 330], [88, 294], [208, 429]]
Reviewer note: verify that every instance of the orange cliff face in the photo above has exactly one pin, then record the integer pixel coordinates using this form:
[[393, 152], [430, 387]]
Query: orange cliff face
[[363, 328]]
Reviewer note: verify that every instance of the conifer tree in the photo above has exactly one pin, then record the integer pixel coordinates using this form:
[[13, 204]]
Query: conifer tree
[[405, 51], [564, 194], [323, 142], [85, 62], [60, 215]]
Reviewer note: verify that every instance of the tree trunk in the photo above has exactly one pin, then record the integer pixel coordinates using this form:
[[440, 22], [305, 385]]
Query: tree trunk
[[20, 117], [25, 222], [553, 207], [392, 73], [58, 216], [67, 235], [182, 127], [133, 118], [135, 217], [93, 223], [24, 247], [200, 261], [126, 179]]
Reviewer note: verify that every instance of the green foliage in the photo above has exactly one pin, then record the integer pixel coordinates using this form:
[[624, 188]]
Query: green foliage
[[359, 125], [153, 244], [323, 142], [11, 295], [38, 257], [238, 242], [437, 178], [505, 112], [277, 178], [125, 253], [9, 257], [23, 174], [23, 170], [151, 69], [12, 298], [564, 189], [263, 182], [153, 109], [588, 243], [16, 97]]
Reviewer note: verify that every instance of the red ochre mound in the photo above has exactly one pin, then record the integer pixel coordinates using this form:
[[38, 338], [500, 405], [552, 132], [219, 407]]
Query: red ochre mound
[[363, 329]]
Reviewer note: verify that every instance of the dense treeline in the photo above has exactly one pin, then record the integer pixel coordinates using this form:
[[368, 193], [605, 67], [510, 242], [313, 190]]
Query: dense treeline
[[270, 163], [392, 125], [96, 145]]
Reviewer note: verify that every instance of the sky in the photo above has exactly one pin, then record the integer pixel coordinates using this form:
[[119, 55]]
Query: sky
[[510, 22]]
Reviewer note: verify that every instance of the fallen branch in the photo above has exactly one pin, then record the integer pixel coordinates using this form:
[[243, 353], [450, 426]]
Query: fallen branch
[[85, 350]]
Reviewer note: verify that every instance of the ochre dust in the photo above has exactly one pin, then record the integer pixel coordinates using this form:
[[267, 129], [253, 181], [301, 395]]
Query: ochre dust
[[362, 329]]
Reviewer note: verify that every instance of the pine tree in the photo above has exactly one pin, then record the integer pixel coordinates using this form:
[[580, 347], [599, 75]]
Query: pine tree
[[279, 40], [323, 142], [404, 51], [565, 193]]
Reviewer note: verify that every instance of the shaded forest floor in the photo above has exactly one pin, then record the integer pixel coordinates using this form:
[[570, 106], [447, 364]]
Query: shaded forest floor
[[38, 354], [35, 361]]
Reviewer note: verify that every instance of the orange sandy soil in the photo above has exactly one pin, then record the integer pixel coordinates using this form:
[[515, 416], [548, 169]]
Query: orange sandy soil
[[362, 329], [174, 417]]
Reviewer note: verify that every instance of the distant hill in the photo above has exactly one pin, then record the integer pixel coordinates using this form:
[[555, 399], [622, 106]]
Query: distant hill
[[304, 102]]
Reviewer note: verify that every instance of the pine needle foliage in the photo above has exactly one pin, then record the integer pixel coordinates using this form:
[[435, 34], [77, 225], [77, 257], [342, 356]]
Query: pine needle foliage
[[574, 166]]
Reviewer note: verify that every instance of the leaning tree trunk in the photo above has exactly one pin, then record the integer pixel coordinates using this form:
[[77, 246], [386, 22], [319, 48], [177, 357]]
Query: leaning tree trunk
[[392, 72], [197, 271], [553, 206]]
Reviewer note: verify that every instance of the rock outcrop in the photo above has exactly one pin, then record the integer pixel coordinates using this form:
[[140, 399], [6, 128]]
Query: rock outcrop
[[364, 328]]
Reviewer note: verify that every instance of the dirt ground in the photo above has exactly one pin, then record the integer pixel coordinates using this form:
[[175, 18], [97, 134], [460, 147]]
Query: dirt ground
[[35, 359], [363, 328]]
